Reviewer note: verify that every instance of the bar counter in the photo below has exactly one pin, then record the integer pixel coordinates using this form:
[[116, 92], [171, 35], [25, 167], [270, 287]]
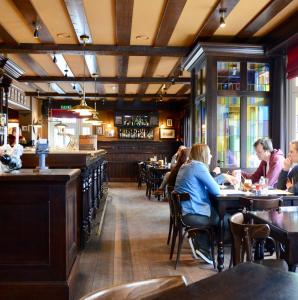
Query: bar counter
[[38, 229], [93, 166]]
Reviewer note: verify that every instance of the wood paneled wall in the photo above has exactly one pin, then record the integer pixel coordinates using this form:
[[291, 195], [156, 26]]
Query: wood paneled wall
[[123, 156]]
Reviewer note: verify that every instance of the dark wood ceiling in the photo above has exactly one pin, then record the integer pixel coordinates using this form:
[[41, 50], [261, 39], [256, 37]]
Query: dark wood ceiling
[[135, 46]]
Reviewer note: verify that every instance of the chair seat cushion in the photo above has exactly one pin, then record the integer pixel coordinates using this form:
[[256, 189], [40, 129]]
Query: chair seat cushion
[[273, 263]]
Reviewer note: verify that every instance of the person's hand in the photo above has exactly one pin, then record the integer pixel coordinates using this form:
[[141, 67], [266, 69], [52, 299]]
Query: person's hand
[[216, 170], [290, 183], [287, 164], [231, 179], [234, 172]]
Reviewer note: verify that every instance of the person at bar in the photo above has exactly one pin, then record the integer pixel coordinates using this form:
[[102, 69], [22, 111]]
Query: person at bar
[[195, 179], [288, 177], [271, 162]]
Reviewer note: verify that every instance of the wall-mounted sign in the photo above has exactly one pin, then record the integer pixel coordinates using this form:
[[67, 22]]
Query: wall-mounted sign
[[65, 106]]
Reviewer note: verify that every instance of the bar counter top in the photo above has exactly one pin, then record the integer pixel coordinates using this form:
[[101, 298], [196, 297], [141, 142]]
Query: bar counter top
[[40, 175], [63, 158]]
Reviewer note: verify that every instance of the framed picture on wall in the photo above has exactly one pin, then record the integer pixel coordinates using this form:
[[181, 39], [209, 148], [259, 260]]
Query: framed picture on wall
[[118, 120], [166, 133], [169, 122], [99, 130]]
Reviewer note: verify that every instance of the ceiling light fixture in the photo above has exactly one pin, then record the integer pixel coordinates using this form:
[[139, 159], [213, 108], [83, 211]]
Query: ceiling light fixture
[[54, 58], [36, 27], [222, 22], [94, 119], [66, 71], [83, 109], [142, 37]]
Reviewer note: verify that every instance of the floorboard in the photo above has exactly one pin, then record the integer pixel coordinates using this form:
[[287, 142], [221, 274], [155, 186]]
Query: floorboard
[[132, 245]]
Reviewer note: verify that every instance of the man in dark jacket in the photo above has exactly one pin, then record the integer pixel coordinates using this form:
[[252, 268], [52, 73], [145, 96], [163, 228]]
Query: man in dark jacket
[[288, 177], [271, 162]]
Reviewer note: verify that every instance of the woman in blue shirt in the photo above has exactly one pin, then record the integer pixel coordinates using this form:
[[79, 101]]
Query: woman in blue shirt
[[194, 178]]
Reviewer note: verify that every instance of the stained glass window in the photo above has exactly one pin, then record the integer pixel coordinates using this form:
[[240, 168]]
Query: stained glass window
[[258, 77], [200, 136], [228, 75], [228, 131], [257, 126]]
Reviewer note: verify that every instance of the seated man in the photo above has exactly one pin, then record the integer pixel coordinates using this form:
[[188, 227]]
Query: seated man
[[288, 177], [270, 165]]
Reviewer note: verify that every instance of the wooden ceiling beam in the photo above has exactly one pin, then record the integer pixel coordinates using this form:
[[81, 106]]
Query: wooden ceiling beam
[[264, 16], [171, 15], [184, 89], [283, 36], [124, 10], [25, 57], [5, 36], [31, 16], [132, 50], [77, 15], [29, 13], [96, 95], [119, 80]]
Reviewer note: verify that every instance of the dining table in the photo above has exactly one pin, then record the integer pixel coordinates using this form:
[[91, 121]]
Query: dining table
[[228, 202], [246, 281], [283, 225]]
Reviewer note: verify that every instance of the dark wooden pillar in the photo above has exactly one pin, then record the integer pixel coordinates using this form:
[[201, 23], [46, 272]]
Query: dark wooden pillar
[[278, 128]]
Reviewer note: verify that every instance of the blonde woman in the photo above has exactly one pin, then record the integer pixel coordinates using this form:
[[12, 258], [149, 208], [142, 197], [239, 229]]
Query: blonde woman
[[194, 178]]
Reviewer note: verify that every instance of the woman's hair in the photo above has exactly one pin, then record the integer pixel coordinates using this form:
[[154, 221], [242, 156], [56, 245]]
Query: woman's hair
[[295, 143], [200, 152], [181, 159], [11, 139]]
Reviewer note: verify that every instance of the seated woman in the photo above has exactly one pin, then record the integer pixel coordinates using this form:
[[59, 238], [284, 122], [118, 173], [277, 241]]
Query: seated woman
[[195, 179], [288, 177]]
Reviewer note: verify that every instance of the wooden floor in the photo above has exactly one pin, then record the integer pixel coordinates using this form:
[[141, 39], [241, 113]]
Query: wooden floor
[[132, 245]]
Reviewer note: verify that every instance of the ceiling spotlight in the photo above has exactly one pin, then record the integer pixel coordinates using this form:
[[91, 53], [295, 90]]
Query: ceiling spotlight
[[65, 71], [222, 22], [54, 58], [36, 27], [74, 87]]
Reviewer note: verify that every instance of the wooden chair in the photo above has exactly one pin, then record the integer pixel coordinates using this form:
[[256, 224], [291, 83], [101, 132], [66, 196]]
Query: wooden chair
[[154, 180], [180, 229], [170, 189], [147, 289], [243, 236], [262, 203], [141, 173]]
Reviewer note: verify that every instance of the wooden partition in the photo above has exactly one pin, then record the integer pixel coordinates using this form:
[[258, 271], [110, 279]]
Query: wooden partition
[[93, 175], [38, 228]]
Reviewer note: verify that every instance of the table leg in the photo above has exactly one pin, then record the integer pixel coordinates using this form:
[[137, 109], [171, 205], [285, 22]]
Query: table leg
[[220, 245], [292, 268]]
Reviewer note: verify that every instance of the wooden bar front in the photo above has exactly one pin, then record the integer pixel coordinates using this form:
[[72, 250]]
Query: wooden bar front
[[38, 229], [93, 175]]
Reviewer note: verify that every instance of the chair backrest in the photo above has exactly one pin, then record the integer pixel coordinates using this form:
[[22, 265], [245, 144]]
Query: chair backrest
[[243, 234], [176, 201], [262, 203], [147, 289]]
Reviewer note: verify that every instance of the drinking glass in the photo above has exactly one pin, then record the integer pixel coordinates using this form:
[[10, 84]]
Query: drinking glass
[[247, 185]]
